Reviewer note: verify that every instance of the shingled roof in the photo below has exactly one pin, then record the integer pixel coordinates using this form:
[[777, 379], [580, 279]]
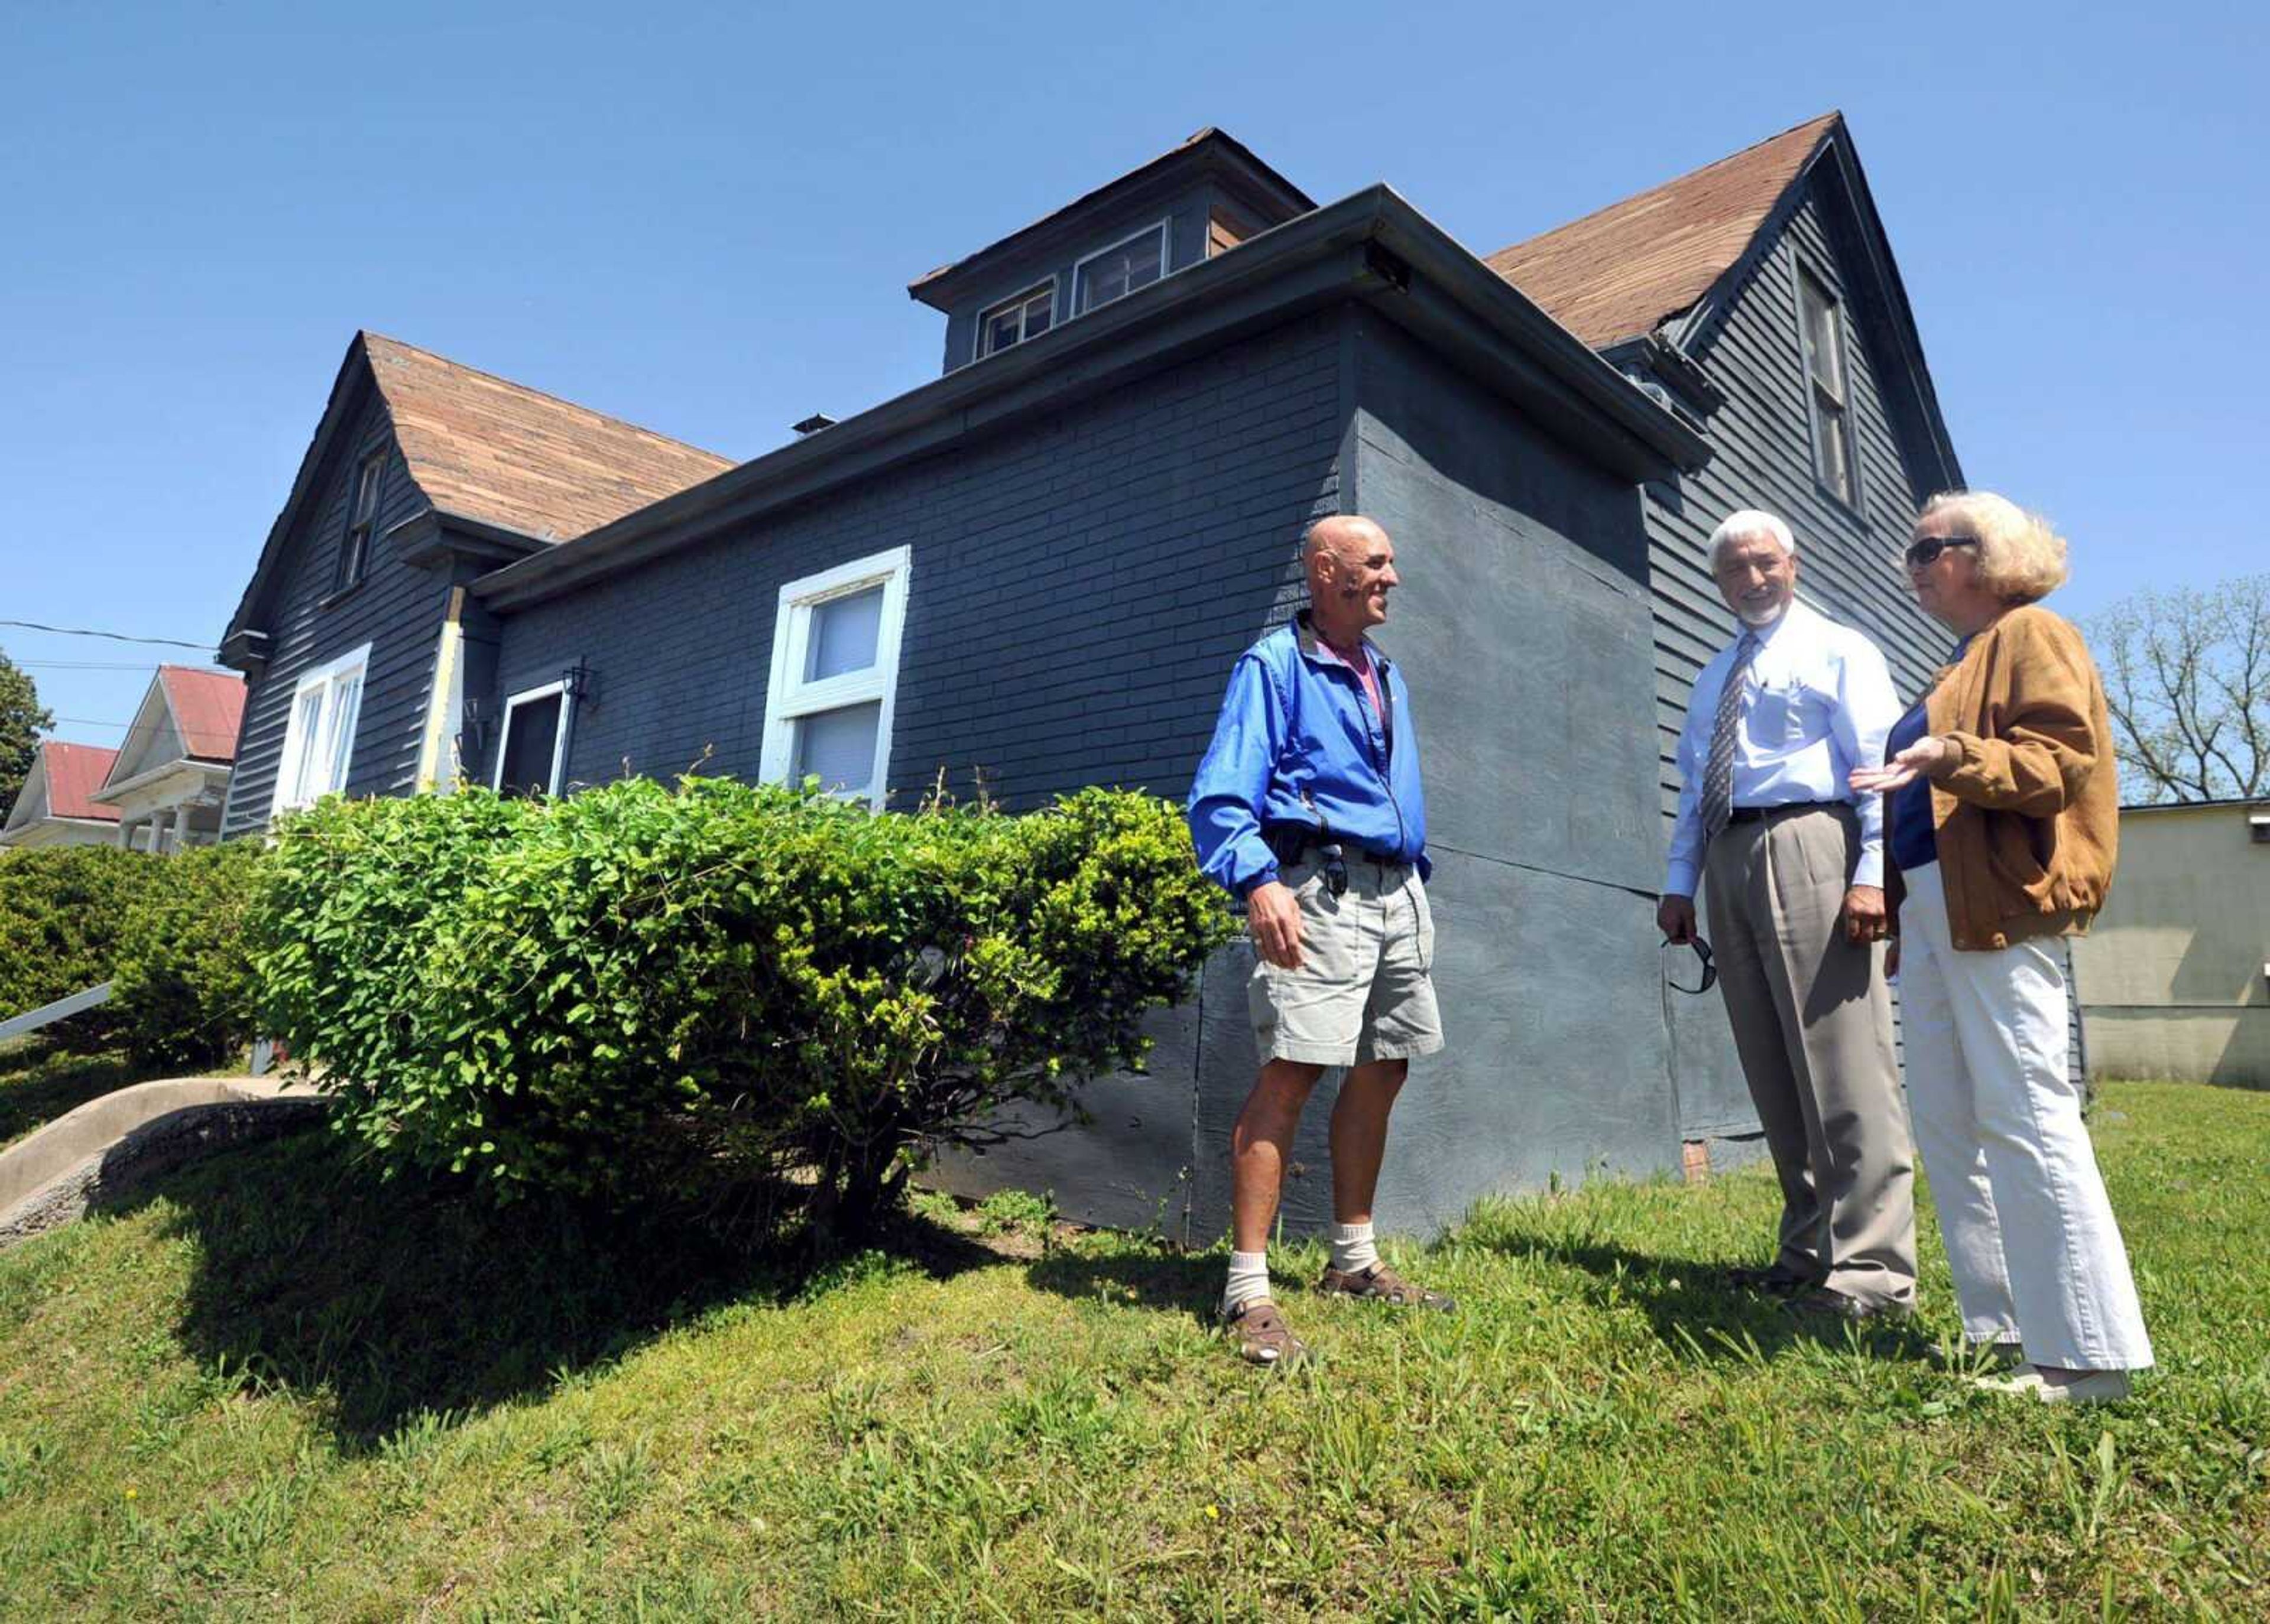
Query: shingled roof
[[484, 448], [1623, 271]]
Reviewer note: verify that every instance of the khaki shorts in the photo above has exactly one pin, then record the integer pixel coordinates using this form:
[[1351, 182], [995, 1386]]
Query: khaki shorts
[[1364, 989]]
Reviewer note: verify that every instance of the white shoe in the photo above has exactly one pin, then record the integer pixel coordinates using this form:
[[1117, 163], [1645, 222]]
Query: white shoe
[[2020, 1378], [2079, 1387], [2086, 1387]]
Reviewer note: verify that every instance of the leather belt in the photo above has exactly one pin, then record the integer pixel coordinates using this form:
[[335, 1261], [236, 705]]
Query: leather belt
[[1384, 859], [1751, 814], [1291, 844]]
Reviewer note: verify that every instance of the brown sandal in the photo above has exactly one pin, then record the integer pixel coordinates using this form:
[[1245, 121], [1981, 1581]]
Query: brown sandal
[[1383, 1284], [1262, 1336]]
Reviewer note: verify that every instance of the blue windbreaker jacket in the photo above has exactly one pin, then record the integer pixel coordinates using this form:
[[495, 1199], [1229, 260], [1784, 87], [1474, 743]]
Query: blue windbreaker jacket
[[1297, 742]]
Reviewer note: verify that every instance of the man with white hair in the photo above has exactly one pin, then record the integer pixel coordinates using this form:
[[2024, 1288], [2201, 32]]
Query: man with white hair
[[1776, 723]]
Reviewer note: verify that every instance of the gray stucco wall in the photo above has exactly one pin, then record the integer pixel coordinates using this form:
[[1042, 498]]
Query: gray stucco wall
[[1524, 629], [396, 609]]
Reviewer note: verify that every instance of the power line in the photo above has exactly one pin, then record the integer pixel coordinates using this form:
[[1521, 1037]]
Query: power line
[[118, 637], [85, 665]]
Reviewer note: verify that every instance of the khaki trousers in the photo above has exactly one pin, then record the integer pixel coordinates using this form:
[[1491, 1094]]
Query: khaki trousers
[[1813, 1025]]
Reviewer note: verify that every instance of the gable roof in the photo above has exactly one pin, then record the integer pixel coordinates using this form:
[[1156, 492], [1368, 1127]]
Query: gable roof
[[489, 451], [1623, 271], [486, 448], [208, 708], [73, 773]]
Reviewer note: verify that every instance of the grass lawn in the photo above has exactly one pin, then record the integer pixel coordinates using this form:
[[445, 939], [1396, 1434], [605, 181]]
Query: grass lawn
[[278, 1388]]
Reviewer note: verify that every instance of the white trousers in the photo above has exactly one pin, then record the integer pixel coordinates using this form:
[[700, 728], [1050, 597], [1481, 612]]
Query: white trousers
[[2037, 1255]]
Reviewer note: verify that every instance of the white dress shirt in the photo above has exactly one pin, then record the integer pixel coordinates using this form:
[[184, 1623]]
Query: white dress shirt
[[1818, 702]]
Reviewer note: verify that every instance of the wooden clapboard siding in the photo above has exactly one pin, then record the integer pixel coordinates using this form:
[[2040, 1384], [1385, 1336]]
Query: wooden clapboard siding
[[1761, 438], [396, 609]]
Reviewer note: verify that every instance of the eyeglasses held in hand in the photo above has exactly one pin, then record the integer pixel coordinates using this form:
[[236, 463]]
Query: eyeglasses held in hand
[[1709, 970], [1927, 550]]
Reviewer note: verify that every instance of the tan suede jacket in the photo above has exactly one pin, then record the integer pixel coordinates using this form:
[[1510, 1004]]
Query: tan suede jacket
[[2027, 816]]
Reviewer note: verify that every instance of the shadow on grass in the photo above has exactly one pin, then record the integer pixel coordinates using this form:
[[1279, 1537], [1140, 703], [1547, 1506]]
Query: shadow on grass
[[1140, 1273], [1694, 1310], [392, 1297], [41, 1081]]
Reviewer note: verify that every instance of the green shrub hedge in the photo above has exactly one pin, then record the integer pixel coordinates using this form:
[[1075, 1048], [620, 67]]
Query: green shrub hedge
[[643, 990], [62, 911], [183, 993]]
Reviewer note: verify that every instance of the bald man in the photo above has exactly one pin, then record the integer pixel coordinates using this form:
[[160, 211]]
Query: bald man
[[1308, 807]]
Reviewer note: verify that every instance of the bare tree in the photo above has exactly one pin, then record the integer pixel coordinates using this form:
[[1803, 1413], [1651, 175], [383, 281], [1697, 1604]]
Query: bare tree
[[2187, 677]]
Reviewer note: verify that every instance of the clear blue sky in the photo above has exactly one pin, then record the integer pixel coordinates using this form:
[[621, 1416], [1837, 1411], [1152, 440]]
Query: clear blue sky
[[703, 220]]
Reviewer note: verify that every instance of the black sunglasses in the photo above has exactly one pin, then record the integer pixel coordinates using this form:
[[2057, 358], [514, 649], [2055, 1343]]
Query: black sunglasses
[[1927, 550], [1709, 970]]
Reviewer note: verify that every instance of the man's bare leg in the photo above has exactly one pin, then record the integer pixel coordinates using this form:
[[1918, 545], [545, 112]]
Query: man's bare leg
[[1261, 1145], [1358, 1141], [1360, 1135]]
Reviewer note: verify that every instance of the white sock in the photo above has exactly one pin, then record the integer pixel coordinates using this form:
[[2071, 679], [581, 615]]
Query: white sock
[[1249, 1279], [1353, 1249]]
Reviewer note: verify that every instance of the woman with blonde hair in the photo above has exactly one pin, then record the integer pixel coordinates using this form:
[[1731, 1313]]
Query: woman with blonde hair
[[2000, 824]]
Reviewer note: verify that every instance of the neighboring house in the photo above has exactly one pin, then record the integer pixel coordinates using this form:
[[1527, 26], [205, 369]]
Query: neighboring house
[[168, 781], [56, 807], [1037, 569], [2175, 974]]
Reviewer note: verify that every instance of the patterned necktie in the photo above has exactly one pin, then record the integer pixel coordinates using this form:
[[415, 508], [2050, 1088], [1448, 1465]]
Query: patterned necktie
[[1718, 776]]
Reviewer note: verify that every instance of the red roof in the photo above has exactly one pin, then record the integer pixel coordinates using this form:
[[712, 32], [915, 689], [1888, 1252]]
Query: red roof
[[208, 708], [1623, 271], [75, 772]]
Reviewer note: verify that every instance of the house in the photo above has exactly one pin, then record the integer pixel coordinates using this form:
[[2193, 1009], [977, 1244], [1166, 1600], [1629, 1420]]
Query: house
[[169, 779], [1036, 568], [353, 632], [56, 806], [2175, 974]]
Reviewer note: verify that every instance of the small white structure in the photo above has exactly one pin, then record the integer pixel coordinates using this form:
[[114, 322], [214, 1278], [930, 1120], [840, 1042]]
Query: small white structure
[[170, 778], [2174, 976], [56, 807]]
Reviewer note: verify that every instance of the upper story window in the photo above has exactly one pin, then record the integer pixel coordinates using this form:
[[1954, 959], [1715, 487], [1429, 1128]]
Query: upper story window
[[319, 737], [1118, 270], [835, 675], [1836, 459], [362, 516], [1013, 321]]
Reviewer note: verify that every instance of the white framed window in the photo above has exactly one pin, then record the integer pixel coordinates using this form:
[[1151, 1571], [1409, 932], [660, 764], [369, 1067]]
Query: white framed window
[[1118, 270], [530, 752], [319, 737], [834, 676], [1013, 321], [1835, 461]]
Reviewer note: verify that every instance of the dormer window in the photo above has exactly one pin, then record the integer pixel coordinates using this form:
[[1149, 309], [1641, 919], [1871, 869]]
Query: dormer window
[[1013, 321], [1118, 270], [362, 515]]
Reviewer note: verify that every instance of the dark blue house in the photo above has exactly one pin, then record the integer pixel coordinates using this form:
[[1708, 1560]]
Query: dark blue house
[[1037, 568]]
